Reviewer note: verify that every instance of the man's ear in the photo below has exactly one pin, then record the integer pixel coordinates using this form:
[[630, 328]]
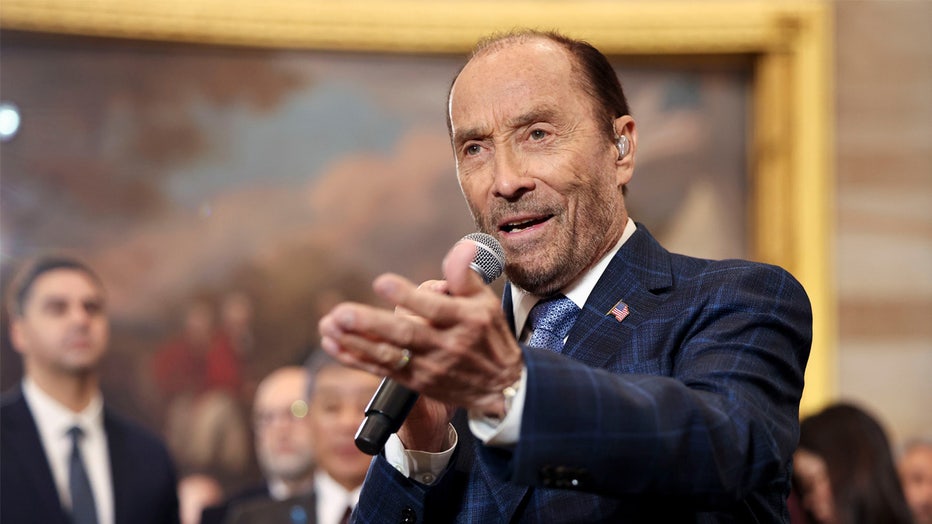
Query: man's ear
[[17, 338], [625, 133]]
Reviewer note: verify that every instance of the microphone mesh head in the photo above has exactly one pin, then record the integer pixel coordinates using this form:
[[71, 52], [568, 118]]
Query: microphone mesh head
[[490, 257]]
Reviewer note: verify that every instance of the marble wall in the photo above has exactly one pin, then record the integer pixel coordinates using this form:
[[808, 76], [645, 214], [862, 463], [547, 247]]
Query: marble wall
[[883, 237]]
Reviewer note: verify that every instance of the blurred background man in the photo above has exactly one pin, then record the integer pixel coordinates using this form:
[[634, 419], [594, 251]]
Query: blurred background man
[[915, 467], [67, 458], [305, 419]]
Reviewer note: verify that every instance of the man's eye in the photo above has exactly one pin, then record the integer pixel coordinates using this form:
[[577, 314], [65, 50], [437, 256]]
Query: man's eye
[[473, 149], [538, 134], [56, 308], [93, 308]]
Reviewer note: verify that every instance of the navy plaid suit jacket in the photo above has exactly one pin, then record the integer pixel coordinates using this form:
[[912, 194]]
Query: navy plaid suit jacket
[[685, 411]]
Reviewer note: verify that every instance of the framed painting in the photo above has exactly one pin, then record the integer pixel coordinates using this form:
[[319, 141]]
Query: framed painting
[[293, 149]]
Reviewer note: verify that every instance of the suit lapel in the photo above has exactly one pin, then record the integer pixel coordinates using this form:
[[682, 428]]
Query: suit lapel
[[23, 445], [121, 478], [636, 274]]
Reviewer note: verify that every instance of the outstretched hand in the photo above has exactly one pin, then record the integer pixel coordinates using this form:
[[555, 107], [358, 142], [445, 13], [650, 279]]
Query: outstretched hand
[[462, 351]]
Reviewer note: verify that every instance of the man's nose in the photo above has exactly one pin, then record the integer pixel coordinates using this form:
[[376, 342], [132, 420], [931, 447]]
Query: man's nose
[[349, 417], [510, 172], [78, 314]]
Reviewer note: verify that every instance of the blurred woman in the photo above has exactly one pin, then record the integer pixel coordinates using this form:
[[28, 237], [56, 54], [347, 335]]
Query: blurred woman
[[844, 471]]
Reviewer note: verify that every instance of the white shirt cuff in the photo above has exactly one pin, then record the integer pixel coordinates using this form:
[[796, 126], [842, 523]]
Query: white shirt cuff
[[501, 432], [422, 466]]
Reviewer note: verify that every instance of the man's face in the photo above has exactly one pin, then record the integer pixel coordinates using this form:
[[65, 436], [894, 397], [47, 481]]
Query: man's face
[[916, 473], [282, 427], [337, 405], [63, 329], [535, 167]]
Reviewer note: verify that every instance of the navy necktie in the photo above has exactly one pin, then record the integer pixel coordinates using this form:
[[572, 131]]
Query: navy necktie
[[346, 515], [83, 510], [551, 320]]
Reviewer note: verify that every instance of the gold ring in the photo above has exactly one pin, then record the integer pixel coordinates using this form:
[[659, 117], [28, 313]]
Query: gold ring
[[403, 360]]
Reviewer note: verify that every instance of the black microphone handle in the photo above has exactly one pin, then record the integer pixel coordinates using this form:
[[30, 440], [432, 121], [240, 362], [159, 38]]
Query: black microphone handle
[[385, 413]]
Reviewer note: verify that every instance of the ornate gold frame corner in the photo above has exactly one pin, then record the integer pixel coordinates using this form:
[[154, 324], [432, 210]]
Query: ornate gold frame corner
[[791, 206]]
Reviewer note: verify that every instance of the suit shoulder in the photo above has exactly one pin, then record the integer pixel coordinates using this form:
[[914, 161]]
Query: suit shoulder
[[739, 275], [124, 428], [10, 397], [13, 408], [684, 264]]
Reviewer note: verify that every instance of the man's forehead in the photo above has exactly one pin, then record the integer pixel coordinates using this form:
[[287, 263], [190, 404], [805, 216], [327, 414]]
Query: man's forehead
[[342, 386], [515, 72], [337, 377], [65, 282], [531, 45], [538, 56], [282, 400], [284, 387]]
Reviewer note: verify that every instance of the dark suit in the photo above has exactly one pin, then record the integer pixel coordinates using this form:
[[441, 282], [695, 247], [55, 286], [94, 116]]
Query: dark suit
[[685, 411], [144, 482], [217, 514], [295, 510]]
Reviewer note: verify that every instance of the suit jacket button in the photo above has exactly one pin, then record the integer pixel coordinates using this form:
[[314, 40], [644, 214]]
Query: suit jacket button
[[546, 476], [408, 516]]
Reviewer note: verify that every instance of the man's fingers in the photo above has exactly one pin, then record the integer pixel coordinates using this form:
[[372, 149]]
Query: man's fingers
[[426, 303], [436, 301], [436, 286], [375, 356], [373, 324]]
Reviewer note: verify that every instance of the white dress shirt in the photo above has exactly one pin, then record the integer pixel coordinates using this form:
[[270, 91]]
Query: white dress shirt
[[424, 467], [53, 421], [332, 498]]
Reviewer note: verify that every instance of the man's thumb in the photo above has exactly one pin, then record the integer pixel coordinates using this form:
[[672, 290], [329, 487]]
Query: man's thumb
[[461, 279]]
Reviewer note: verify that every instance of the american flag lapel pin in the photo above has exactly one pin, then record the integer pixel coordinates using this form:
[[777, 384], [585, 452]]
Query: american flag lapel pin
[[619, 311]]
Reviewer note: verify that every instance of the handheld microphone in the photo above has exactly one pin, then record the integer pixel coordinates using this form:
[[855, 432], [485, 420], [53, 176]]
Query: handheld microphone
[[392, 402]]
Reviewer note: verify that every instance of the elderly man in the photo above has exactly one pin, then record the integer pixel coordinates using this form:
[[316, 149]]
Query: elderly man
[[620, 382]]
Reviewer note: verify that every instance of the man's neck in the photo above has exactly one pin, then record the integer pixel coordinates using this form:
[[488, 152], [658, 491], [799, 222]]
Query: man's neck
[[579, 291], [74, 391], [350, 485], [346, 489], [291, 488]]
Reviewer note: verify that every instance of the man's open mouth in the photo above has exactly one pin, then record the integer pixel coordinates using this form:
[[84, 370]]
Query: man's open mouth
[[521, 225]]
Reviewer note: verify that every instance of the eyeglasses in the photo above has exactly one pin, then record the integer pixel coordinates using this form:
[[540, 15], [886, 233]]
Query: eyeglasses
[[266, 417]]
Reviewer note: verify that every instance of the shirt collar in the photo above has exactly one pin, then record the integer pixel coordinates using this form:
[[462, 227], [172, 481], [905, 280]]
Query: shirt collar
[[578, 291], [332, 498], [55, 418], [327, 488]]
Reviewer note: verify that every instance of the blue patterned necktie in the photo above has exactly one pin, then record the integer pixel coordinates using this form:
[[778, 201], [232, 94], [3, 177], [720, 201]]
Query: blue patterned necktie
[[83, 510], [551, 320]]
